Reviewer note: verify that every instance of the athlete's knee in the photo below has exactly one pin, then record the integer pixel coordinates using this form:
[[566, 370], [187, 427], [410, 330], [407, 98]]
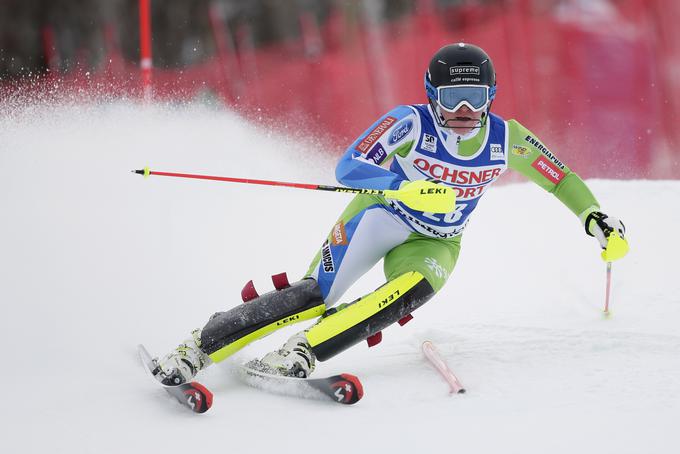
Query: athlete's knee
[[363, 318], [227, 332]]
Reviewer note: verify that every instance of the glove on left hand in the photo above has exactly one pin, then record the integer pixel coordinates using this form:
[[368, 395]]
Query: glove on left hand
[[601, 226]]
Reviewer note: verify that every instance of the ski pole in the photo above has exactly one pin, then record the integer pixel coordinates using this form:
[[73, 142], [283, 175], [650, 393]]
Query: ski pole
[[616, 249], [609, 285], [417, 195]]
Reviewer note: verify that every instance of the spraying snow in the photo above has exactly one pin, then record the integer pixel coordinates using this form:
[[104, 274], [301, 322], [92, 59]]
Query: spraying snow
[[95, 260]]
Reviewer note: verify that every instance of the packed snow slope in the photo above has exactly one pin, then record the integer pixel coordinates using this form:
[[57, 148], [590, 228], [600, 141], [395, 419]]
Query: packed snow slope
[[94, 260]]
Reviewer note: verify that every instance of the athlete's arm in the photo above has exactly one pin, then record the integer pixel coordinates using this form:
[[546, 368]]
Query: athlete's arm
[[528, 156], [360, 166]]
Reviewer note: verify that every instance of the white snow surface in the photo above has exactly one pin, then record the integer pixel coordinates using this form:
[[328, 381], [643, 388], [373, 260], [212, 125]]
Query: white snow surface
[[94, 260]]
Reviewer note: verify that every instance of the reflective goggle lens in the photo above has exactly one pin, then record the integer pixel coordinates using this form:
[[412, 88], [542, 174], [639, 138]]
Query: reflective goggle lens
[[451, 98]]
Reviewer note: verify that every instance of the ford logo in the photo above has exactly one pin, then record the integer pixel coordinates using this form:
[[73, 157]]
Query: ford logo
[[400, 131]]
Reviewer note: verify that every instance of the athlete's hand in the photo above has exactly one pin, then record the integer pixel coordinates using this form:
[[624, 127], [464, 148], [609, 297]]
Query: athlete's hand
[[422, 195], [610, 233]]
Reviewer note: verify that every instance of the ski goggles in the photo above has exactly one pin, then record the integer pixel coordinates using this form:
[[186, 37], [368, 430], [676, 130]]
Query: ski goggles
[[453, 97]]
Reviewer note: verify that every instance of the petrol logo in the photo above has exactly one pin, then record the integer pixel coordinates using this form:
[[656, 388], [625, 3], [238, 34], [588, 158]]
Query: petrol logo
[[548, 169]]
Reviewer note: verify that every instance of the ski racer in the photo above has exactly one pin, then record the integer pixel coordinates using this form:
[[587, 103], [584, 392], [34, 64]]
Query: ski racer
[[453, 141]]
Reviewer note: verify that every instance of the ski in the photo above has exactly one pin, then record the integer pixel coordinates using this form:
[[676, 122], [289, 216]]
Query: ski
[[193, 395], [342, 388]]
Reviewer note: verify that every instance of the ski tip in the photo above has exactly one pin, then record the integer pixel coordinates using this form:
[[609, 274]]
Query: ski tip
[[350, 388], [200, 396]]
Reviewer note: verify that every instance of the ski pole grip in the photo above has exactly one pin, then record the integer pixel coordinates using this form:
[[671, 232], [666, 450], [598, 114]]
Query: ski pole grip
[[616, 249]]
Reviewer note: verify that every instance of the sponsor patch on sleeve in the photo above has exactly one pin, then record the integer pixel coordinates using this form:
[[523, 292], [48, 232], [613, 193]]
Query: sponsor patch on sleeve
[[327, 258], [339, 235], [377, 154], [375, 134], [400, 131], [519, 150], [548, 169]]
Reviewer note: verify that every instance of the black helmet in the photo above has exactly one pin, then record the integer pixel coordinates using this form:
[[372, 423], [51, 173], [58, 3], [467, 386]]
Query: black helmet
[[460, 64]]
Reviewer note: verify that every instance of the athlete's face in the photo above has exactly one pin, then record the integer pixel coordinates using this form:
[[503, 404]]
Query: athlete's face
[[463, 120]]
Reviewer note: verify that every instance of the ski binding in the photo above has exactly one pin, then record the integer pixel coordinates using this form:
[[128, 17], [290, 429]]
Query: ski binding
[[342, 388], [192, 395]]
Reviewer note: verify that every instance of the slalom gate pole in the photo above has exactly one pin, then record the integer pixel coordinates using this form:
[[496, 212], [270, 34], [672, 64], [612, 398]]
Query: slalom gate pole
[[145, 62], [432, 354]]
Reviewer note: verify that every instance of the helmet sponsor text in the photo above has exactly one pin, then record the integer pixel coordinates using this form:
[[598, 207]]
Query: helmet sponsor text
[[459, 70]]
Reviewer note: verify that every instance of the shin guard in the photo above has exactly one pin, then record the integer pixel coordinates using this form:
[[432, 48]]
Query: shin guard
[[228, 332], [368, 315]]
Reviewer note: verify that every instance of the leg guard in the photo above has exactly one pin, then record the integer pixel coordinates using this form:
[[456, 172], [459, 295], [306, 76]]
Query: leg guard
[[368, 315], [228, 332]]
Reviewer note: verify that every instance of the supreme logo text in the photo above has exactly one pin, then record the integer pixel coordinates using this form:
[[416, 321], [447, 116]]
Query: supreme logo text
[[457, 70]]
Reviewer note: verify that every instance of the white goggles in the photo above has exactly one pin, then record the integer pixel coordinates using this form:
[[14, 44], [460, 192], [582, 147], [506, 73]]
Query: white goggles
[[452, 98]]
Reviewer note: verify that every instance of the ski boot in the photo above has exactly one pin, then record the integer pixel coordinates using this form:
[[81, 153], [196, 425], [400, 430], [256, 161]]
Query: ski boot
[[293, 359], [183, 363]]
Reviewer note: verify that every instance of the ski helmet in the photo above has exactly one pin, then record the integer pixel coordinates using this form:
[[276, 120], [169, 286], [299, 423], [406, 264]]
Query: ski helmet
[[460, 74]]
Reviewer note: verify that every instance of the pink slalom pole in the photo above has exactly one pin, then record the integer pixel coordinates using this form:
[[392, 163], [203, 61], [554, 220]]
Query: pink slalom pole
[[145, 62], [438, 362]]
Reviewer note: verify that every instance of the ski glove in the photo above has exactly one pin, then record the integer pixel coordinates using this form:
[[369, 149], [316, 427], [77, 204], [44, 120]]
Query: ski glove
[[601, 226]]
